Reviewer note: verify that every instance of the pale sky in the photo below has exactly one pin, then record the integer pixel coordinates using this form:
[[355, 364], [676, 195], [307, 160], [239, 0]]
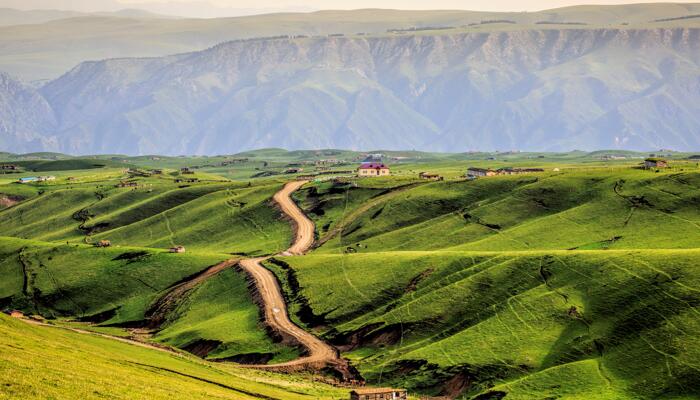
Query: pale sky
[[220, 8]]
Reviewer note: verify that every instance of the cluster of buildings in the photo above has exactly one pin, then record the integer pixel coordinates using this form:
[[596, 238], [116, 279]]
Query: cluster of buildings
[[378, 393], [30, 179], [474, 172]]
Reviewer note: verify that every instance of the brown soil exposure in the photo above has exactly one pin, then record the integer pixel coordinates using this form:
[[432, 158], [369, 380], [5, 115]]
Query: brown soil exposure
[[9, 201], [319, 354]]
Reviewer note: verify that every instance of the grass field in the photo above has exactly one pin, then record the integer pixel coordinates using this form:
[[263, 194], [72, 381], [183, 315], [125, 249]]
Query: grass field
[[229, 216], [628, 318], [578, 282], [116, 287], [615, 209], [50, 363]]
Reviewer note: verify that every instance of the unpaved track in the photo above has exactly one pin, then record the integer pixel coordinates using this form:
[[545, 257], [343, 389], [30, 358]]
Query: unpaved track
[[304, 228], [319, 354]]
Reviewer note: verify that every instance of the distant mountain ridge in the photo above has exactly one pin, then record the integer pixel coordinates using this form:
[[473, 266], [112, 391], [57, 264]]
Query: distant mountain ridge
[[546, 89], [44, 51]]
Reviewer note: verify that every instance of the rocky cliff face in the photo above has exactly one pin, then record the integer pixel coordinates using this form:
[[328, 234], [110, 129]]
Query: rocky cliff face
[[26, 118], [547, 89]]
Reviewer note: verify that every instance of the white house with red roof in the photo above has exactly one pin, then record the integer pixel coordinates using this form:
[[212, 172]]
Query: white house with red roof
[[373, 169]]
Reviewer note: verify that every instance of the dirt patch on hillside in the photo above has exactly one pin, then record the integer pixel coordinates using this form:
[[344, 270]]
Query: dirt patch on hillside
[[201, 348], [7, 201], [413, 284], [99, 317], [493, 395], [370, 335], [455, 386], [249, 358]]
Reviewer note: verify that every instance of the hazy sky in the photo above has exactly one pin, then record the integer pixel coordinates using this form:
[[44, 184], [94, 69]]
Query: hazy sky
[[509, 5], [213, 8]]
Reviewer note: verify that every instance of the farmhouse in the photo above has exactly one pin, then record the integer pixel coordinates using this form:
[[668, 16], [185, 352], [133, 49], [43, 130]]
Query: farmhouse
[[655, 163], [373, 169], [429, 176], [103, 243], [477, 172], [46, 178], [8, 167], [378, 393], [186, 171], [177, 249], [293, 170]]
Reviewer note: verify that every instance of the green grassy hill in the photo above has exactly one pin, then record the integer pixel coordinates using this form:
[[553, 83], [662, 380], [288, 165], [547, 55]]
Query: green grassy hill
[[578, 283], [584, 209], [69, 164], [616, 324], [51, 363], [208, 216], [118, 286]]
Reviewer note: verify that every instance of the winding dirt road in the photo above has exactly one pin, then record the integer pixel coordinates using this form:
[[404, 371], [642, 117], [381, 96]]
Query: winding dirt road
[[319, 354]]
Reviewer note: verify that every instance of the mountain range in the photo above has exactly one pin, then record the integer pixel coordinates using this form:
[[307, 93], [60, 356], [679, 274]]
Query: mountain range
[[491, 86], [33, 50]]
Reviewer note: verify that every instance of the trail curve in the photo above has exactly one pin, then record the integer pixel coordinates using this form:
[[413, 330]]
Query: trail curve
[[319, 354]]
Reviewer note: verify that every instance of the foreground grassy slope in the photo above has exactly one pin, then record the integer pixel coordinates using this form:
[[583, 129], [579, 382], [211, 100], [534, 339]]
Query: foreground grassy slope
[[50, 363], [623, 322], [117, 286], [621, 208]]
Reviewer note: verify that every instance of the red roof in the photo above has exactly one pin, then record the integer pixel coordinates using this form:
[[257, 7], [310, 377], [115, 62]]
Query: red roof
[[372, 166]]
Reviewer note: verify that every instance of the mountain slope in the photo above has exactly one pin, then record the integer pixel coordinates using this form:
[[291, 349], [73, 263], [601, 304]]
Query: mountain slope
[[45, 51], [547, 89], [25, 117]]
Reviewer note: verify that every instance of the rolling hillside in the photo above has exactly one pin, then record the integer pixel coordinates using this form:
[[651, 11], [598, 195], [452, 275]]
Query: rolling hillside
[[520, 282], [55, 274], [581, 324], [589, 209], [118, 288], [575, 283], [48, 362]]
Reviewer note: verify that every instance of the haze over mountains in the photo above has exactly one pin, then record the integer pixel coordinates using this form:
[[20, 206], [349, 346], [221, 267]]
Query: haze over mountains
[[601, 77]]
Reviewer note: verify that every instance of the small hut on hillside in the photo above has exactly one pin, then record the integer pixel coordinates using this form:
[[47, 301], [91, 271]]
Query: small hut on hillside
[[378, 393], [653, 162], [103, 243], [177, 249], [430, 176]]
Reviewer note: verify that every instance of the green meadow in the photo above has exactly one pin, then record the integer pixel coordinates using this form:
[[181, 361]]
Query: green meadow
[[513, 320], [53, 363], [578, 282]]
